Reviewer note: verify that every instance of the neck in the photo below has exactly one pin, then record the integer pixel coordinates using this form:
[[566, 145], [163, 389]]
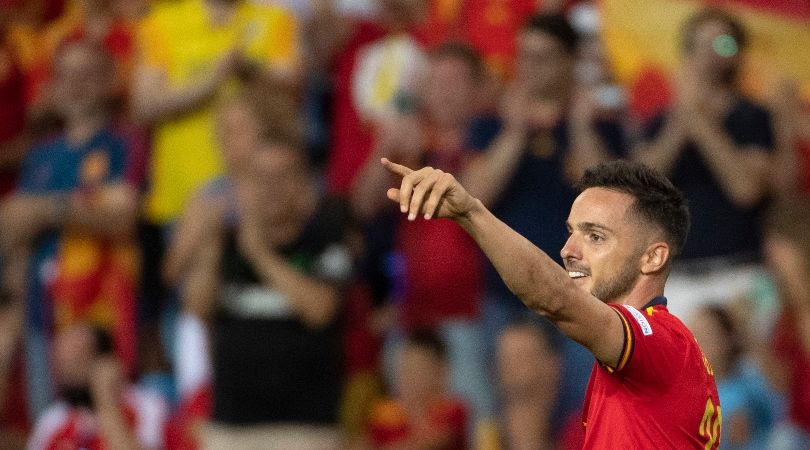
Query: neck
[[641, 294]]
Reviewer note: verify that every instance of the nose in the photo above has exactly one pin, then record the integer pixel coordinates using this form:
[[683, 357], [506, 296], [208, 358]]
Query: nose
[[570, 249]]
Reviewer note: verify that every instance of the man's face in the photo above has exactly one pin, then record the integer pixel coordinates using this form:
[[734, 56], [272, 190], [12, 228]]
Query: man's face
[[603, 252], [421, 374], [715, 52], [83, 82], [543, 65], [449, 88], [73, 356]]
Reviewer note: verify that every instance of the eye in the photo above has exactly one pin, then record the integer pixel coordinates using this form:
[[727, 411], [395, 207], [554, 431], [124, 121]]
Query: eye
[[594, 237]]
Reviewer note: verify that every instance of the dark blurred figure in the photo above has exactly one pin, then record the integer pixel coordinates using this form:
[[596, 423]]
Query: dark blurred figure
[[264, 277], [73, 216], [96, 407], [715, 145], [192, 53], [244, 121], [749, 411], [421, 413], [787, 251]]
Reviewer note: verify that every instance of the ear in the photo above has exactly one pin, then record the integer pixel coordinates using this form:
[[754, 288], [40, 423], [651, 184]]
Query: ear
[[655, 258]]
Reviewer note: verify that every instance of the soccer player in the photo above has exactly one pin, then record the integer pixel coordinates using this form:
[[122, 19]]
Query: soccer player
[[651, 387]]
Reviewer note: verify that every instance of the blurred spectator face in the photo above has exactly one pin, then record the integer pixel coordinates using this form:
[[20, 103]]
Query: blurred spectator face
[[402, 11], [84, 81], [93, 7], [239, 133], [449, 89], [525, 361], [421, 374], [280, 181], [74, 354], [714, 52], [711, 338], [543, 65]]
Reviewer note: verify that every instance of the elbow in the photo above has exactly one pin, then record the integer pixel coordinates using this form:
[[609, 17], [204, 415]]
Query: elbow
[[746, 195], [322, 314]]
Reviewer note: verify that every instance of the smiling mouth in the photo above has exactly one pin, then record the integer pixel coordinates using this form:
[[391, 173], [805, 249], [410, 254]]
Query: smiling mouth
[[577, 275]]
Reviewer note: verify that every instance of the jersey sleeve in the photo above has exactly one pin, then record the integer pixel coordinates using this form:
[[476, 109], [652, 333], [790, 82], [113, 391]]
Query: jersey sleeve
[[652, 349]]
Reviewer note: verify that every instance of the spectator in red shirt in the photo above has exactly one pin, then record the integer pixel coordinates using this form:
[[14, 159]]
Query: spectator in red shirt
[[421, 414], [427, 254], [96, 408]]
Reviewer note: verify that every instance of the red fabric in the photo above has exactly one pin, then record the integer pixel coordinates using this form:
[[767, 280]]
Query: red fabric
[[803, 149], [443, 272], [14, 413], [792, 9], [389, 423], [663, 396], [351, 139], [788, 348], [650, 93], [12, 111], [489, 26], [361, 345], [190, 415], [572, 434], [71, 436]]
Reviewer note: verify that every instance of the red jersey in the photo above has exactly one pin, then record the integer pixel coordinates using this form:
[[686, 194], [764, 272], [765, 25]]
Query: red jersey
[[389, 424], [662, 394], [787, 346]]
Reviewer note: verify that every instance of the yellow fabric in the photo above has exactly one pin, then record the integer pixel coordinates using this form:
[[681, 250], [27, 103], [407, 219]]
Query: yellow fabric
[[179, 38], [640, 34]]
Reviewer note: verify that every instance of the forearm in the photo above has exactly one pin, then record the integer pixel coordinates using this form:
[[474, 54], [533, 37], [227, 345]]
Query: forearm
[[741, 173], [662, 153], [537, 280], [786, 161], [23, 217], [366, 201], [154, 99], [109, 212], [586, 149], [488, 176], [314, 301], [201, 284]]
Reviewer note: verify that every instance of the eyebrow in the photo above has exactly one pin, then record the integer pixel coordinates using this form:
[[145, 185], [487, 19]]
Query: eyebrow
[[589, 226]]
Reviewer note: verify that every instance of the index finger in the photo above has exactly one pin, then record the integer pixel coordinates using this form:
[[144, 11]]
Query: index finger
[[398, 169]]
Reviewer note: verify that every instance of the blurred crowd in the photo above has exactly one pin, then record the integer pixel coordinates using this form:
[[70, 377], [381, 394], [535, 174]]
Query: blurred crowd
[[197, 251]]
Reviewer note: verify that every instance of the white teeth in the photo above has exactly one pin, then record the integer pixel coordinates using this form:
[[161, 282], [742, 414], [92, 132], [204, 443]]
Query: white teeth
[[576, 274]]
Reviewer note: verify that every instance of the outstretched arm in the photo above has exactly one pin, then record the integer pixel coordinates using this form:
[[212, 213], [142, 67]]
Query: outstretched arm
[[532, 275]]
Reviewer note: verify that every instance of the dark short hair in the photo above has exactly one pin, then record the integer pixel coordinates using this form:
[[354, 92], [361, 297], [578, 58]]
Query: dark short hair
[[706, 15], [428, 339], [464, 53], [556, 26], [657, 200]]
